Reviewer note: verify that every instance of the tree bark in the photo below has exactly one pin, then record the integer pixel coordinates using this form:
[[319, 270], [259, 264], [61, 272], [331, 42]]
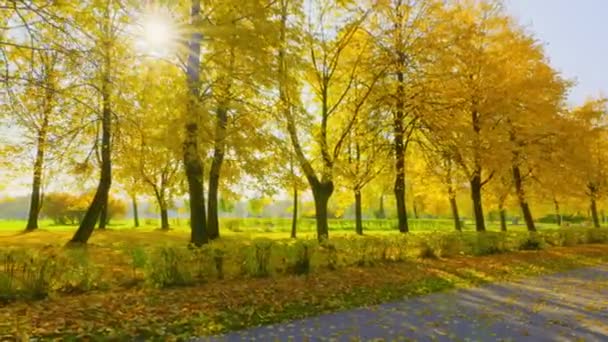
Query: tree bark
[[35, 200], [135, 211], [476, 185], [399, 146], [358, 214], [381, 213], [214, 173], [455, 215], [321, 194], [521, 197], [594, 215], [192, 160], [164, 219], [87, 225], [159, 193], [294, 217], [49, 95], [503, 219], [558, 215]]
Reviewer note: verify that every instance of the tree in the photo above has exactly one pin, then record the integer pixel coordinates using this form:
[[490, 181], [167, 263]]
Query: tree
[[328, 71], [193, 165], [366, 158], [404, 34], [474, 85], [148, 149], [101, 25], [591, 117]]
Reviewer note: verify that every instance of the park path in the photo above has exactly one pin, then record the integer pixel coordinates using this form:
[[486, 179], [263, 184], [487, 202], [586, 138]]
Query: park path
[[570, 306]]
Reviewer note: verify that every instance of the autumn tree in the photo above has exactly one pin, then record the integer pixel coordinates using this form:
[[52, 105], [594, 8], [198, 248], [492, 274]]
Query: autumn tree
[[328, 70], [405, 34], [473, 82], [100, 50], [591, 117]]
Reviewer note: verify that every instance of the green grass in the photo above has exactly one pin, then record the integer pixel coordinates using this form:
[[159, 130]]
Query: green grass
[[256, 226]]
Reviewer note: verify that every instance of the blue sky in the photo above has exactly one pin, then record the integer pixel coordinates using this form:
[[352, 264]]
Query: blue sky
[[575, 33]]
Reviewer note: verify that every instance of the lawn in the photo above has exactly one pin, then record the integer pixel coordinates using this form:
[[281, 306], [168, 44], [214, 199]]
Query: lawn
[[145, 282]]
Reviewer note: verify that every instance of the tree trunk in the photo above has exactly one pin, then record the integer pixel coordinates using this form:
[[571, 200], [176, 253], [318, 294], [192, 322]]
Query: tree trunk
[[321, 193], [35, 200], [521, 196], [192, 160], [87, 225], [135, 211], [558, 215], [103, 216], [452, 196], [480, 225], [381, 212], [503, 219], [358, 215], [399, 146], [594, 216], [164, 218], [162, 205], [214, 174], [455, 215], [90, 218], [294, 217]]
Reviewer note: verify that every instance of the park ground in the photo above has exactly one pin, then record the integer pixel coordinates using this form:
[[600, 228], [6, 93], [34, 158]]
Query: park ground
[[131, 283]]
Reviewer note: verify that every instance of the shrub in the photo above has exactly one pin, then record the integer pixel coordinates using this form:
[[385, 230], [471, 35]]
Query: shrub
[[331, 254], [426, 251], [447, 245], [26, 275], [139, 258], [262, 259], [302, 260], [569, 237], [597, 235], [533, 242], [488, 243], [79, 274], [218, 260], [169, 267]]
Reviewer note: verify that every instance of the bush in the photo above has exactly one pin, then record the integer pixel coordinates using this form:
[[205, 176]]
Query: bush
[[301, 261], [533, 242], [169, 267], [331, 254], [79, 274], [597, 235], [489, 243], [448, 245], [26, 275], [426, 251], [262, 259], [570, 237], [139, 259]]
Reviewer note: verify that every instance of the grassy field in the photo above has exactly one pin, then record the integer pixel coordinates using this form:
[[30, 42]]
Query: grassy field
[[145, 282], [279, 225]]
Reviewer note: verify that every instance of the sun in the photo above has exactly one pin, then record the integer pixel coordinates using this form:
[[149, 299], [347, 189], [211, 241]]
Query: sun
[[158, 36]]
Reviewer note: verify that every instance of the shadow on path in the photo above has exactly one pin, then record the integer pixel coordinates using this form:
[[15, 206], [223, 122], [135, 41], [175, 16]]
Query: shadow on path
[[568, 306]]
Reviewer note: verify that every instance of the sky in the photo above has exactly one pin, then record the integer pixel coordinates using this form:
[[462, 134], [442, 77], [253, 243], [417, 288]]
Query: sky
[[575, 33]]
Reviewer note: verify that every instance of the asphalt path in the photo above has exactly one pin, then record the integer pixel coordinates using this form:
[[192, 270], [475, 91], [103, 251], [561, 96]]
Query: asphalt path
[[570, 306]]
